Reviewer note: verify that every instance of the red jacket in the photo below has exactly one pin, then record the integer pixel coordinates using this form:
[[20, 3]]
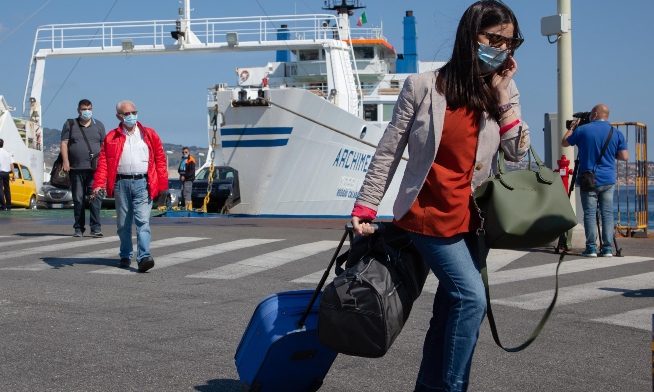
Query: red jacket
[[112, 149]]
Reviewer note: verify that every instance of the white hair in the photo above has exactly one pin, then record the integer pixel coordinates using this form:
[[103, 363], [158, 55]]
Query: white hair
[[124, 102]]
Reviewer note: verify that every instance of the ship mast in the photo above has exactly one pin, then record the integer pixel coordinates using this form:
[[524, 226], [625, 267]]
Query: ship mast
[[344, 10]]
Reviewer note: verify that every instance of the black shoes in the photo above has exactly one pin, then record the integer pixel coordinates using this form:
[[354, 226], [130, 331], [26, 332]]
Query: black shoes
[[124, 263], [97, 234], [145, 263]]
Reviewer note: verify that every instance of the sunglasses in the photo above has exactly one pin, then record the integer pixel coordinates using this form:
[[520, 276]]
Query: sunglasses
[[128, 113], [496, 40]]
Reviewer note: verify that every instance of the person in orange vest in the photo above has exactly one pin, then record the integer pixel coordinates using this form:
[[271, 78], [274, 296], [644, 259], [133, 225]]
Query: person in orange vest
[[186, 172]]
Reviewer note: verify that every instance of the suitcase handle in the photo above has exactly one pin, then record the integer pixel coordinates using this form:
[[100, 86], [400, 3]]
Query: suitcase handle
[[349, 232]]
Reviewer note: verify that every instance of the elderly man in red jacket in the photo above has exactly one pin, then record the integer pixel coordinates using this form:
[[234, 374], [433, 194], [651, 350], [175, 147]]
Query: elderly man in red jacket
[[132, 168]]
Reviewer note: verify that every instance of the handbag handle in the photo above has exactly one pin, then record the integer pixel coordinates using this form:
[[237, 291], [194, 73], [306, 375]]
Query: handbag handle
[[501, 166]]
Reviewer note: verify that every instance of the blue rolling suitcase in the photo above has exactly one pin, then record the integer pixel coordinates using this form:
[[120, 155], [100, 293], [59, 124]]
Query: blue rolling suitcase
[[280, 350], [276, 354]]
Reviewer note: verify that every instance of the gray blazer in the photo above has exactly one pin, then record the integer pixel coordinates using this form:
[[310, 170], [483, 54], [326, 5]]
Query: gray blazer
[[418, 122]]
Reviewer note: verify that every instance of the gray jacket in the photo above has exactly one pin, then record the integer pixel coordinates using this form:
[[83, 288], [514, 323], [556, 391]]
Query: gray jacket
[[418, 122]]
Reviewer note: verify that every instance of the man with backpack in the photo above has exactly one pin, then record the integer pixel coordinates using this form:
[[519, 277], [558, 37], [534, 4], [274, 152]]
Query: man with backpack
[[81, 140]]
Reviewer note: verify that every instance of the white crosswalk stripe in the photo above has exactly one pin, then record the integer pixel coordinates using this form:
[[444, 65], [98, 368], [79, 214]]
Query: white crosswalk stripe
[[101, 254], [266, 261], [76, 243], [639, 318], [567, 267], [191, 255], [19, 240], [580, 293]]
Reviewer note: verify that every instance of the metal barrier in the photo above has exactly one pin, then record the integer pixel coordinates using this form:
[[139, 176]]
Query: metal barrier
[[632, 182]]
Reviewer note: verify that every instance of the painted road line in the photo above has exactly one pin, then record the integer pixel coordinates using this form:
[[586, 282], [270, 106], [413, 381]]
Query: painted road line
[[500, 258], [639, 318], [567, 267], [191, 255], [580, 293], [29, 240], [77, 243], [101, 254], [266, 261]]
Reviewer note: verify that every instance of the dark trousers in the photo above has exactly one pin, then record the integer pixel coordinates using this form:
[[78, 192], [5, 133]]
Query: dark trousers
[[5, 192], [80, 184]]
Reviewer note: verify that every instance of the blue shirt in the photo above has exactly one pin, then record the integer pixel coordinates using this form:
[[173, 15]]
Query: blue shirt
[[589, 139]]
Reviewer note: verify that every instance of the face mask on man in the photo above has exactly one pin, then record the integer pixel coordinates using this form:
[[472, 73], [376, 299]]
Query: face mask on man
[[130, 120], [185, 155], [491, 59], [86, 114]]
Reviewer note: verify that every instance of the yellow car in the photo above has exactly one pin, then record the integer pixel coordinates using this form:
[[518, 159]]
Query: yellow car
[[23, 187]]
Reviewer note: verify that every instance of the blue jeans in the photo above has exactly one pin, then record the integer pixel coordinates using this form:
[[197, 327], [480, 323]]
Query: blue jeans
[[459, 309], [589, 200], [80, 186], [133, 204]]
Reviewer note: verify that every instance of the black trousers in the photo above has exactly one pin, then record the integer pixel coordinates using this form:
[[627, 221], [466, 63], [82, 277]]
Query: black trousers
[[5, 192], [80, 185]]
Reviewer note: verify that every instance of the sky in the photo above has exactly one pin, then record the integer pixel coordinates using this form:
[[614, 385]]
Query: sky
[[613, 55]]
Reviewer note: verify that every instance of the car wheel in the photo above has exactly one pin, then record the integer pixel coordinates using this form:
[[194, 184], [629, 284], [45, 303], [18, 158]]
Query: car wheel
[[32, 205]]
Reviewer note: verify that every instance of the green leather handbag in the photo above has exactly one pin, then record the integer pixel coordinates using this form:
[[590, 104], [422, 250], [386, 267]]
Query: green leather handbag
[[523, 208]]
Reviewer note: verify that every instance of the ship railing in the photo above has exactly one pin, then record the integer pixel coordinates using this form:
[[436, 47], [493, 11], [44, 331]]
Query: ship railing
[[156, 33], [367, 33]]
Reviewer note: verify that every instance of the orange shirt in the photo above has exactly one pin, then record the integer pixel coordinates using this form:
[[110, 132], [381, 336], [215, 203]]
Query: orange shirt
[[442, 208]]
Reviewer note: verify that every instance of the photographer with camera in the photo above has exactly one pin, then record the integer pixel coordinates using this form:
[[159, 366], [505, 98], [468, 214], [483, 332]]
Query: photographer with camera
[[598, 144]]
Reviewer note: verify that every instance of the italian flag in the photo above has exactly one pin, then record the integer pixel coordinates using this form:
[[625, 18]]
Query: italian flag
[[362, 19]]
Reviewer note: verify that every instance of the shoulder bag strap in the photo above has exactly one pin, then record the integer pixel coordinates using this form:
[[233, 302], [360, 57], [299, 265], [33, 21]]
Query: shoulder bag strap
[[482, 253], [604, 147], [84, 136]]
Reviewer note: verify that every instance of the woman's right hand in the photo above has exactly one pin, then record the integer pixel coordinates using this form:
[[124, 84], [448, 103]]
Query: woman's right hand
[[361, 227]]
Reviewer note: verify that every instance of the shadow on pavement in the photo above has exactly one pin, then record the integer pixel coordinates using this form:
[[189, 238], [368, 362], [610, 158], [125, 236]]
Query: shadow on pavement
[[221, 385], [41, 234], [641, 293], [60, 262]]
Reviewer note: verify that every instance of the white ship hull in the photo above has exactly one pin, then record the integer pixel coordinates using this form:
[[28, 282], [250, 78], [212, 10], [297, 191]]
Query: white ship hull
[[300, 156]]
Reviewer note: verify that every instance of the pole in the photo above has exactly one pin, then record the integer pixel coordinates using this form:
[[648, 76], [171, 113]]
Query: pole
[[564, 59]]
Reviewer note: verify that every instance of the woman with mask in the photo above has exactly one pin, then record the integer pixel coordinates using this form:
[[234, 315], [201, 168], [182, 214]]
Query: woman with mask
[[186, 172], [453, 121]]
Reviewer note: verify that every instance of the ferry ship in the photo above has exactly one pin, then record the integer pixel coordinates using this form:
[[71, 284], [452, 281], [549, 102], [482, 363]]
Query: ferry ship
[[293, 137]]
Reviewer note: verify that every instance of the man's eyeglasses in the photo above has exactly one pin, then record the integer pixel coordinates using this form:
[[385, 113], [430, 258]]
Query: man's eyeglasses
[[496, 40], [128, 113]]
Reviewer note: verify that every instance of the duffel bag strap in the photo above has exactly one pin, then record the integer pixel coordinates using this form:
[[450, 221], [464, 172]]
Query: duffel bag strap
[[482, 252], [325, 275]]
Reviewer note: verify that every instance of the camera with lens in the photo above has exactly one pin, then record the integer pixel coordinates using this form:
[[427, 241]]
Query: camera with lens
[[584, 118]]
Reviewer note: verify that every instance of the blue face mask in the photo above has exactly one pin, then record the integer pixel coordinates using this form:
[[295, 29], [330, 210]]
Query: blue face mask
[[491, 59], [86, 114], [130, 120]]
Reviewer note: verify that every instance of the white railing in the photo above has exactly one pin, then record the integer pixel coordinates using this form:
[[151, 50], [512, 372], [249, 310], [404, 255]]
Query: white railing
[[211, 30], [370, 33]]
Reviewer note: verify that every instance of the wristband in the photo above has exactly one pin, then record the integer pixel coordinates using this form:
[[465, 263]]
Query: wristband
[[508, 126]]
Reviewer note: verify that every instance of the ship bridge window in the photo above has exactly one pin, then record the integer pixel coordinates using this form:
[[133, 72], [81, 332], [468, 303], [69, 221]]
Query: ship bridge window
[[308, 54], [370, 112], [364, 52], [387, 113]]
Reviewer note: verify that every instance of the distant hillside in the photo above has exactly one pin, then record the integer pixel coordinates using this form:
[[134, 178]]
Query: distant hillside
[[52, 140]]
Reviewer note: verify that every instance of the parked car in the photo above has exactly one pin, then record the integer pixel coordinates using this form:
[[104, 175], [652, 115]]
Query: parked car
[[175, 198], [22, 186], [225, 191], [51, 196]]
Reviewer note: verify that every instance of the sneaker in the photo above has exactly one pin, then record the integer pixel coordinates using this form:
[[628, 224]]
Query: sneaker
[[146, 263], [606, 253], [97, 234], [589, 253], [78, 233], [124, 263]]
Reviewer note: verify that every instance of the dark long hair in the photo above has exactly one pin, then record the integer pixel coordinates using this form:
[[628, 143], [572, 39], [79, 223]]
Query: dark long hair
[[461, 80]]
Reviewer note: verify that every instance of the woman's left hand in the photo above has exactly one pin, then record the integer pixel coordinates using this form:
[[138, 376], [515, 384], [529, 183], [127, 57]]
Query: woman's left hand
[[502, 78]]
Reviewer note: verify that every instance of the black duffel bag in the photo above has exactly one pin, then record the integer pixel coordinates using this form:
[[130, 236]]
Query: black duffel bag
[[365, 307]]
